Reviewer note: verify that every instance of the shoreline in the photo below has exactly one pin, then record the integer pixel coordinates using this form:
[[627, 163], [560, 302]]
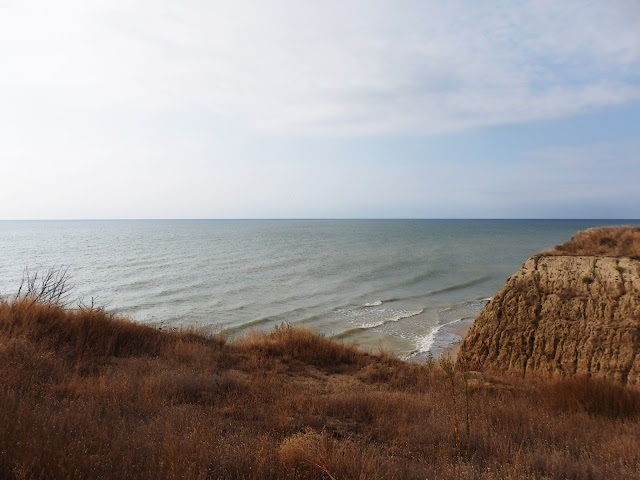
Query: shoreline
[[449, 337], [451, 352]]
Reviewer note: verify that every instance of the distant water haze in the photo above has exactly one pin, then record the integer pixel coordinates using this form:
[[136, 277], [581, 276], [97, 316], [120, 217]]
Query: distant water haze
[[399, 285]]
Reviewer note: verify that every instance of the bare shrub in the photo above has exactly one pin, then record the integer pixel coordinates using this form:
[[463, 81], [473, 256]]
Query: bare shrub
[[52, 286]]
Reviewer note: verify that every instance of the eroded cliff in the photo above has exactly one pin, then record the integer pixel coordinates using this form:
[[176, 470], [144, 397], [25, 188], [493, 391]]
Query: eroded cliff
[[565, 314]]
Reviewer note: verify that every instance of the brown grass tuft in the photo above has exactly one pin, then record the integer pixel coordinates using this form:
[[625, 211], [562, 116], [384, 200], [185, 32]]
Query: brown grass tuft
[[595, 396], [303, 345], [319, 455]]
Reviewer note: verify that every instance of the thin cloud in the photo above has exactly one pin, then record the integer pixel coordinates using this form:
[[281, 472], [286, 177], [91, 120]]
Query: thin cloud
[[336, 68], [610, 157]]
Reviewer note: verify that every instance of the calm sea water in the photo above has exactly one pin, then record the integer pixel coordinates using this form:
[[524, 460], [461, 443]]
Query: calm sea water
[[401, 285]]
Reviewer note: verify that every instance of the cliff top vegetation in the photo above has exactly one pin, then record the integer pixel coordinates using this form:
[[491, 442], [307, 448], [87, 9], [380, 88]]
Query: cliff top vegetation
[[623, 241]]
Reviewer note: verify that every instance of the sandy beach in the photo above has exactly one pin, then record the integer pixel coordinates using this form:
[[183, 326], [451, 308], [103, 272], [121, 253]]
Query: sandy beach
[[452, 351]]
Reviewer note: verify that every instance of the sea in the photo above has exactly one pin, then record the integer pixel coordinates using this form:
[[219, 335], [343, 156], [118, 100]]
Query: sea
[[401, 286]]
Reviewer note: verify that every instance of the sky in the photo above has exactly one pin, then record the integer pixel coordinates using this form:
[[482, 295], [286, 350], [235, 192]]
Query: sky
[[319, 109]]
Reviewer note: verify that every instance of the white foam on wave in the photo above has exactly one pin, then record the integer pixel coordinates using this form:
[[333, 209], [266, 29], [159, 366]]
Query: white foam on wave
[[396, 316], [441, 337], [377, 303], [376, 317], [404, 314], [436, 341], [426, 343]]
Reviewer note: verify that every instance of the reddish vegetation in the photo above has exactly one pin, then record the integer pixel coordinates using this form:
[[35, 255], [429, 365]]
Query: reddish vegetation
[[85, 395], [608, 241]]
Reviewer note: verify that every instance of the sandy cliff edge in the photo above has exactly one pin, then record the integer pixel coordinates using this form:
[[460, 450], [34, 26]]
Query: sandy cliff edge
[[563, 315]]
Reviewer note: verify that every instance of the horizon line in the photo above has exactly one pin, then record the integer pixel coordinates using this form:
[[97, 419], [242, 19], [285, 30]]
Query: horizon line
[[303, 219]]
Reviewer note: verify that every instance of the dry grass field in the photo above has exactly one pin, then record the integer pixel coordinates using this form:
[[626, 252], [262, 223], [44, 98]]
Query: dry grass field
[[88, 396]]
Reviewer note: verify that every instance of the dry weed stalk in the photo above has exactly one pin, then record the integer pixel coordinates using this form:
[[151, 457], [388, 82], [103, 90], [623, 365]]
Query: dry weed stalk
[[466, 390], [451, 372], [449, 368]]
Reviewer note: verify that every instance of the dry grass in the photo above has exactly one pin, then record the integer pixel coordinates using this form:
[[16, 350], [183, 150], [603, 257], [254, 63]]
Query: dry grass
[[84, 395], [610, 241], [595, 396]]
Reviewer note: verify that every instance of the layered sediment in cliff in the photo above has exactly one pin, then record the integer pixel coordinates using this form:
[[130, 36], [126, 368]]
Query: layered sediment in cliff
[[564, 314]]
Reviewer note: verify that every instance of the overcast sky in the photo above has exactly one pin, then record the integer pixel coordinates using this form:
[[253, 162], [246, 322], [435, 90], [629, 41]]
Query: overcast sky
[[319, 109]]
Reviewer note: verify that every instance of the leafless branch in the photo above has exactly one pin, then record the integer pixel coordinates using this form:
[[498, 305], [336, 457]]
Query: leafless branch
[[51, 286]]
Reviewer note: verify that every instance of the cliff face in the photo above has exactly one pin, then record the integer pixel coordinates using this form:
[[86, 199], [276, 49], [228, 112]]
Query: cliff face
[[562, 315]]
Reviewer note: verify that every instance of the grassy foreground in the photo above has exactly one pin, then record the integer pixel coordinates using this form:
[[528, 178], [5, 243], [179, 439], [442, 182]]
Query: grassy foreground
[[85, 395]]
